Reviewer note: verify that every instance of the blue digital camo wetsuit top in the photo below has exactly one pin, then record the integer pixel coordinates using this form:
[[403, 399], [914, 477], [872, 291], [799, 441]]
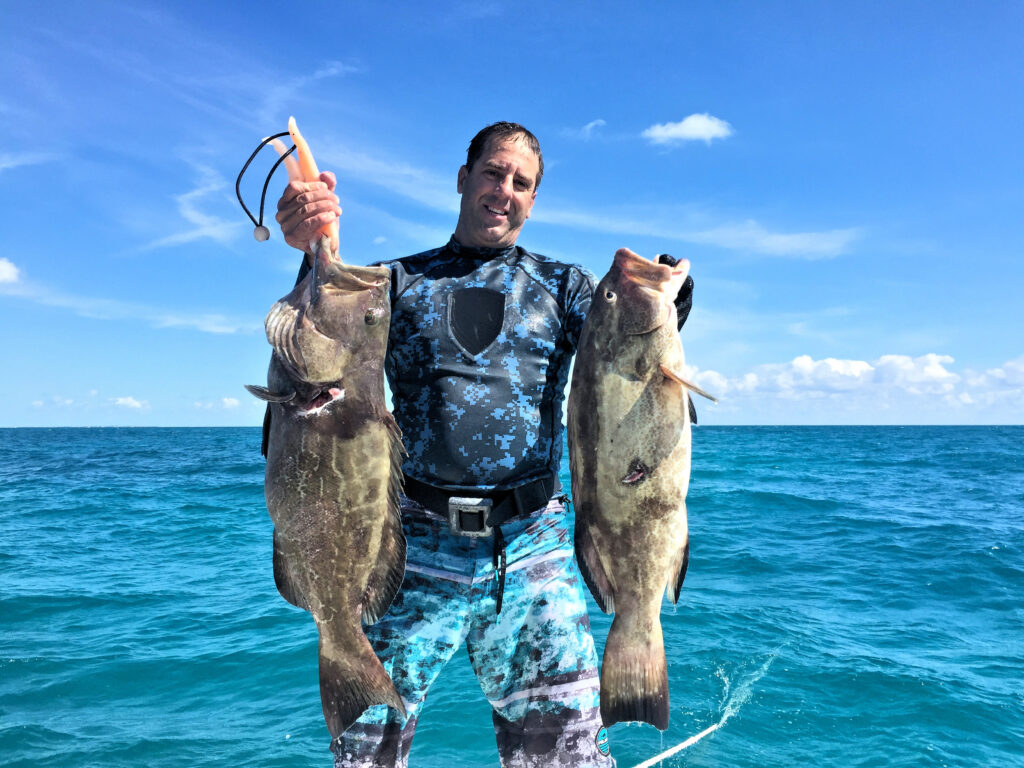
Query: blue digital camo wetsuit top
[[479, 399], [478, 358]]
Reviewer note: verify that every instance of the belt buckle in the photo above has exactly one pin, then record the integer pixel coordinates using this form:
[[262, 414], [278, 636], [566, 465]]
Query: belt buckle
[[467, 515]]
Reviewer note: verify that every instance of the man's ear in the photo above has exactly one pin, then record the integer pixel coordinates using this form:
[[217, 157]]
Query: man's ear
[[533, 199], [463, 173]]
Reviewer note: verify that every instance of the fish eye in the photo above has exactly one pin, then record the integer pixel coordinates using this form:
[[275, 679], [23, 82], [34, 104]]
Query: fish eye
[[372, 317], [609, 295]]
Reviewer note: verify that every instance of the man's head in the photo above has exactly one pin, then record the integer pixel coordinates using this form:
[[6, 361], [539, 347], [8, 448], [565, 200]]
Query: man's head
[[498, 185], [502, 132]]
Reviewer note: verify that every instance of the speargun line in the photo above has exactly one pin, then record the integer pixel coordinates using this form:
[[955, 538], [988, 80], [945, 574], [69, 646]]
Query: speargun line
[[261, 233]]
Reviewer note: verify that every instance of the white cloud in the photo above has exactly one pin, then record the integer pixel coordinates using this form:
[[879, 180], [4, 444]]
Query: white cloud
[[924, 375], [920, 375], [585, 132], [193, 207], [751, 236], [748, 236], [229, 402], [379, 240], [696, 127], [10, 160], [437, 192], [894, 389], [130, 402], [430, 189], [8, 272], [998, 386], [112, 309]]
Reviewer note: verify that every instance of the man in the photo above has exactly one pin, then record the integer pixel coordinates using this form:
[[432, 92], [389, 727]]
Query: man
[[482, 333]]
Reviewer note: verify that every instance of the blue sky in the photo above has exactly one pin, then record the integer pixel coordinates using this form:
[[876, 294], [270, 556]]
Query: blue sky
[[847, 181]]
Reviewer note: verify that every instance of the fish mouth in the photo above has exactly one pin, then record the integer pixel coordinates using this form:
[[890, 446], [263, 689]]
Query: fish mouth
[[323, 400], [654, 274], [656, 284], [637, 472]]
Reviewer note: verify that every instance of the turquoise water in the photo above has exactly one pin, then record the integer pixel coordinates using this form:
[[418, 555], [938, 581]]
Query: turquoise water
[[855, 598]]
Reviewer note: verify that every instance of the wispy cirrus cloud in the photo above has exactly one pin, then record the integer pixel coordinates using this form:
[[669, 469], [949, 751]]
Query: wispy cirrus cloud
[[696, 127], [279, 95], [742, 236], [426, 187], [751, 236], [585, 132], [194, 207], [437, 192], [113, 309], [9, 160]]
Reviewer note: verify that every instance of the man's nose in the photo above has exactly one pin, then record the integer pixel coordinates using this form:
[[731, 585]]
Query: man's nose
[[504, 185]]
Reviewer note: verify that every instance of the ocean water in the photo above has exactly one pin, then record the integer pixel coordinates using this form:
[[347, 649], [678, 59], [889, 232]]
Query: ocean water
[[855, 598]]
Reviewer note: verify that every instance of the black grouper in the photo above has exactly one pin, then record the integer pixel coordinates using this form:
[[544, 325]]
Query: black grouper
[[333, 474], [629, 452]]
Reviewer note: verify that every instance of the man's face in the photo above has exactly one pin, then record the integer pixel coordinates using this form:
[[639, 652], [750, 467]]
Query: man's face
[[497, 194]]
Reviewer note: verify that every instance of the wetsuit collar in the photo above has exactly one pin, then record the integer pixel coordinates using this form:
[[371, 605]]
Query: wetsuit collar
[[471, 252]]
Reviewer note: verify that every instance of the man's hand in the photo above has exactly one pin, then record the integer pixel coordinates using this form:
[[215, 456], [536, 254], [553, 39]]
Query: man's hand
[[305, 207]]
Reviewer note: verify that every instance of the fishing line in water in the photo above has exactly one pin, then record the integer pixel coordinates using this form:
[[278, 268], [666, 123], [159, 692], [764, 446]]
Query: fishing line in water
[[733, 702], [680, 747]]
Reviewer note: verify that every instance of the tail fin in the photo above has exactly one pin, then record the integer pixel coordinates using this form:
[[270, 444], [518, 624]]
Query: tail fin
[[634, 677], [350, 685]]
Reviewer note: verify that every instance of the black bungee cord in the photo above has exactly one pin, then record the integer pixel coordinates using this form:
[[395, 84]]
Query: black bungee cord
[[261, 233]]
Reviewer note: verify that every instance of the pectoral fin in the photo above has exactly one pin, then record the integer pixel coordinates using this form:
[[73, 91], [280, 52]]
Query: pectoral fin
[[670, 374], [265, 394]]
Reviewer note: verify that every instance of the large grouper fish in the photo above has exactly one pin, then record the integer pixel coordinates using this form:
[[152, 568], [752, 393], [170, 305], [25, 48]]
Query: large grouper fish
[[629, 453], [333, 474]]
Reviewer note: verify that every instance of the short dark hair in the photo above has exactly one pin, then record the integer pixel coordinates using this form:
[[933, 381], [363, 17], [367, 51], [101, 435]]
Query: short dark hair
[[504, 132]]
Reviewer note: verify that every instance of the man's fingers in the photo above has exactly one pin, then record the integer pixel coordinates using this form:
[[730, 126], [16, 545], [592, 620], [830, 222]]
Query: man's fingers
[[305, 192], [305, 208], [298, 231]]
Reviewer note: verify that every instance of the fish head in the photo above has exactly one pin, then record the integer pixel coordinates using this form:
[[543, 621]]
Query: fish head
[[335, 320], [639, 293]]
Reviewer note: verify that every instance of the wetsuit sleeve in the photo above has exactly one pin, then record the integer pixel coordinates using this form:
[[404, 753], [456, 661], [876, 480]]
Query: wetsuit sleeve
[[579, 291]]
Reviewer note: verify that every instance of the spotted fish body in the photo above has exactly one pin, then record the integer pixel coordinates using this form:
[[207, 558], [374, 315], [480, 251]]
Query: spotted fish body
[[629, 452], [333, 474]]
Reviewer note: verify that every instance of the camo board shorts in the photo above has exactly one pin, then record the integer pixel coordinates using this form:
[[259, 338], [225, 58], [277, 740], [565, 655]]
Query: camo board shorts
[[535, 661]]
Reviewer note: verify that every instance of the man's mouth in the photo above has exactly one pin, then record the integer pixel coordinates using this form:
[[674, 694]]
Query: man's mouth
[[495, 211]]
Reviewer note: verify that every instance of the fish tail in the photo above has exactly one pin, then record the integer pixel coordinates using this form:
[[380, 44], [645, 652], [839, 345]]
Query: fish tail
[[348, 689], [634, 676]]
